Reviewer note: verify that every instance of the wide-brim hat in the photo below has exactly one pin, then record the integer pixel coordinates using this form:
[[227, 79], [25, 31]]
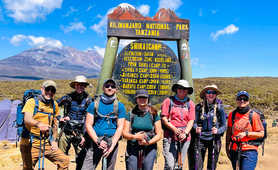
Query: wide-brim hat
[[209, 87], [79, 79], [184, 84]]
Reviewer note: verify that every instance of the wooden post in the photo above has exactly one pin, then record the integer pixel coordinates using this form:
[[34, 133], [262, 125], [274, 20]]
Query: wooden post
[[108, 62], [184, 58]]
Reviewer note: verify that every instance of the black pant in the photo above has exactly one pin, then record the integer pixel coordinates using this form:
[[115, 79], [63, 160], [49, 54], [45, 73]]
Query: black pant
[[201, 147]]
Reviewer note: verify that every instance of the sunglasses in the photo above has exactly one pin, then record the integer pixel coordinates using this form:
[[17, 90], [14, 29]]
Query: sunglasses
[[50, 88], [109, 85], [244, 98], [211, 92]]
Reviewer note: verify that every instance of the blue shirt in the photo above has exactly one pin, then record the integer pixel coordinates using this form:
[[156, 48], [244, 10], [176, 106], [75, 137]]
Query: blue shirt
[[105, 126]]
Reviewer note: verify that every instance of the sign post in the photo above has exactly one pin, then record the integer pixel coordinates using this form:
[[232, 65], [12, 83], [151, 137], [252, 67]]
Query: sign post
[[146, 63]]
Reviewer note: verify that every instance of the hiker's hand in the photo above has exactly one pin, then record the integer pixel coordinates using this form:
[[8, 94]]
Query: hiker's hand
[[54, 146], [214, 130], [178, 131], [82, 141], [43, 127], [103, 145], [140, 135], [143, 142], [64, 119], [198, 130], [182, 136], [241, 135]]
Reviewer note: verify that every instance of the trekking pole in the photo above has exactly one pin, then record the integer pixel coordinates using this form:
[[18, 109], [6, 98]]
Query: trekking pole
[[179, 156], [238, 153], [39, 166], [213, 149], [104, 159], [140, 158], [197, 145], [43, 152]]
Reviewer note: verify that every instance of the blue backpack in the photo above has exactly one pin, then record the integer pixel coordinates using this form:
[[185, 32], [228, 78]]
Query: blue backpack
[[21, 129]]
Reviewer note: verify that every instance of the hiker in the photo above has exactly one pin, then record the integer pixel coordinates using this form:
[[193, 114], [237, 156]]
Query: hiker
[[177, 115], [73, 121], [240, 133], [209, 126], [104, 125], [43, 129], [142, 129]]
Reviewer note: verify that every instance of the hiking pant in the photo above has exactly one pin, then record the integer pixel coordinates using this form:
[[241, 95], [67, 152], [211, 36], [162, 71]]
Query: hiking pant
[[212, 159], [191, 154], [57, 157], [170, 152], [25, 150], [94, 155], [149, 156], [248, 159], [65, 142]]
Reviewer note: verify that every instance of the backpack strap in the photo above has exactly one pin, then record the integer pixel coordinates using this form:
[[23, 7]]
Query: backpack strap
[[233, 117], [172, 104], [115, 109]]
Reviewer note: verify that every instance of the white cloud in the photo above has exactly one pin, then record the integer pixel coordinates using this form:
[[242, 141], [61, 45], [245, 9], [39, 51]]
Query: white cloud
[[195, 61], [71, 11], [99, 50], [173, 4], [200, 12], [124, 43], [74, 26], [230, 29], [89, 8], [214, 11], [101, 26], [35, 41], [30, 10], [1, 14], [144, 9]]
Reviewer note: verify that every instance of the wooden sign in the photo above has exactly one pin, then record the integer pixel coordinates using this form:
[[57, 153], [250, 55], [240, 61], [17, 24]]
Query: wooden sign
[[147, 64]]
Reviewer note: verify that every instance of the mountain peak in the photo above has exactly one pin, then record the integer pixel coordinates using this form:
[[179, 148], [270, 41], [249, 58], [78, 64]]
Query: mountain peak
[[125, 12], [52, 62]]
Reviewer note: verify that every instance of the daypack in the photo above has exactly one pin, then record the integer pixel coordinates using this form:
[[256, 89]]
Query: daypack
[[21, 129], [151, 133], [109, 116], [187, 104], [258, 141]]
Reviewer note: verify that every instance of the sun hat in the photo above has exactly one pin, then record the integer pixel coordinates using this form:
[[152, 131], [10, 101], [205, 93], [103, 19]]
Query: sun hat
[[79, 79], [48, 83], [242, 93], [141, 93], [209, 87], [184, 84]]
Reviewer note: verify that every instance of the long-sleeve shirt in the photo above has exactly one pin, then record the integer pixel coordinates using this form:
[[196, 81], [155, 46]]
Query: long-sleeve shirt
[[207, 122]]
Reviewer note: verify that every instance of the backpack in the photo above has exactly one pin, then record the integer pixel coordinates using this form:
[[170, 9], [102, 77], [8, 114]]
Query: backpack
[[151, 133], [22, 131], [258, 141], [109, 116], [172, 104]]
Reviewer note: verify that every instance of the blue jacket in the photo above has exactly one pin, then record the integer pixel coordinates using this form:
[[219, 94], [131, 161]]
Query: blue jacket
[[207, 122]]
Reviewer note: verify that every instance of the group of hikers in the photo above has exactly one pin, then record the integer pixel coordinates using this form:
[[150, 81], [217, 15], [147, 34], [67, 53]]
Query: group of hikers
[[95, 126]]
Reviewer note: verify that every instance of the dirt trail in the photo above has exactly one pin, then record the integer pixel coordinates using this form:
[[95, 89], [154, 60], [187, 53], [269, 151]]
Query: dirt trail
[[10, 158]]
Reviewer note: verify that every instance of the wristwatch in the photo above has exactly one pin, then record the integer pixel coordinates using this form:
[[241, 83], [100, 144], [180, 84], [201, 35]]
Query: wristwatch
[[246, 133]]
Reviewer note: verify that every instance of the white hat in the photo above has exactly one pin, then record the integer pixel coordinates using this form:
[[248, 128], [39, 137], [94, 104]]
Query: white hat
[[79, 79], [209, 87], [182, 83], [48, 83]]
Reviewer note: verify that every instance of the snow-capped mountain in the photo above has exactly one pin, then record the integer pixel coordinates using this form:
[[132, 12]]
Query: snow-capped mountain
[[52, 63]]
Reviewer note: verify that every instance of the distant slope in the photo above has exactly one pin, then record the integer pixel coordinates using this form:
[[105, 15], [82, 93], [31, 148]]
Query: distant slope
[[50, 63]]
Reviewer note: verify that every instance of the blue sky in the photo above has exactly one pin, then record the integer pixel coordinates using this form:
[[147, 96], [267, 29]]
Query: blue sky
[[228, 38]]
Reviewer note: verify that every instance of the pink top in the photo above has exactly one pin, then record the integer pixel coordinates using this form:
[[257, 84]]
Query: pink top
[[179, 114]]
